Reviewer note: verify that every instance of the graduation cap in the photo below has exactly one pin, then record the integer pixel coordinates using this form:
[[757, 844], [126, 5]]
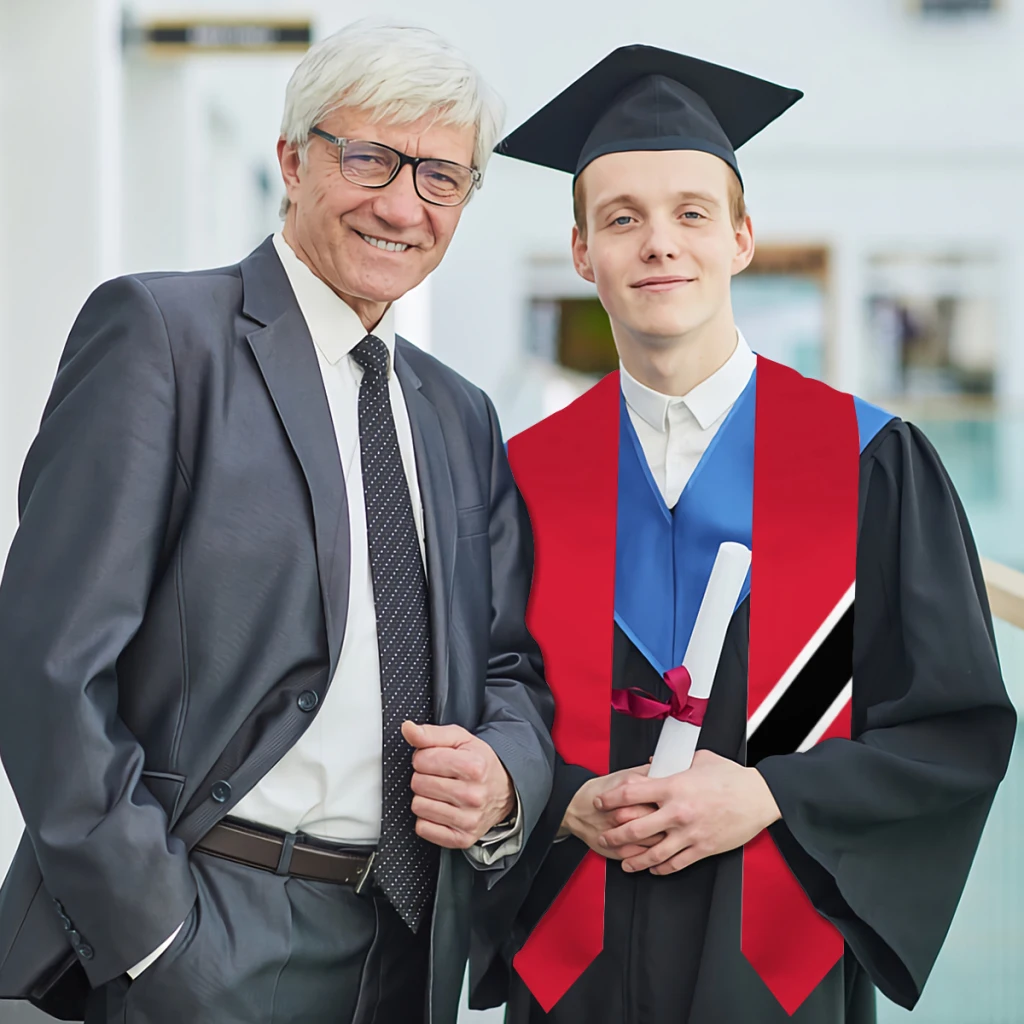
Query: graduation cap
[[645, 98]]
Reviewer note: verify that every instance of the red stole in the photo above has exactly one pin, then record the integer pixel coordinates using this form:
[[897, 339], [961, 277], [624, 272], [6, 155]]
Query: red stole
[[806, 476]]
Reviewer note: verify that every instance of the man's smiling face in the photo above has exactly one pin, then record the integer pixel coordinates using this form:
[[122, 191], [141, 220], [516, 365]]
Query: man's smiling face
[[371, 245]]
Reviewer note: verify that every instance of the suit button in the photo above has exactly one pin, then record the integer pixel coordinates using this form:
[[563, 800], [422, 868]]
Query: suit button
[[67, 922], [221, 792], [74, 937], [85, 951], [308, 700]]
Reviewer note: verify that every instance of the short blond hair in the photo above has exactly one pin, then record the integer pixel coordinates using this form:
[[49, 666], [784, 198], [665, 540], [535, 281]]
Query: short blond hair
[[737, 205]]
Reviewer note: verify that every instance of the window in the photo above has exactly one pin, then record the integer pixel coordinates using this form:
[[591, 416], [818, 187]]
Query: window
[[933, 326], [781, 305]]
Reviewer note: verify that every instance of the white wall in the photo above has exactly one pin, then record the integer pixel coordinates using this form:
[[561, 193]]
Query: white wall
[[61, 169], [197, 133]]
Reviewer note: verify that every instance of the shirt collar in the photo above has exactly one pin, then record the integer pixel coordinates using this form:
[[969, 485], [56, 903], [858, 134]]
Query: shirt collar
[[334, 325], [708, 401]]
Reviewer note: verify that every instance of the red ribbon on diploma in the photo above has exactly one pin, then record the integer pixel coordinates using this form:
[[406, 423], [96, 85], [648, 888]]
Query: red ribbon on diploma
[[681, 706]]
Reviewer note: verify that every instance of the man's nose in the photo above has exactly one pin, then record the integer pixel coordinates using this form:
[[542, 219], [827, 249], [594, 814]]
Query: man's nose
[[661, 243], [398, 204]]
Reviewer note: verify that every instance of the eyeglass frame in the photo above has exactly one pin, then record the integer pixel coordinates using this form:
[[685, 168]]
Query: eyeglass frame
[[403, 159]]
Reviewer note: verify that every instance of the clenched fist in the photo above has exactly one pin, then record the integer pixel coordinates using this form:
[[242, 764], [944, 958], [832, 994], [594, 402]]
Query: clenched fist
[[461, 789]]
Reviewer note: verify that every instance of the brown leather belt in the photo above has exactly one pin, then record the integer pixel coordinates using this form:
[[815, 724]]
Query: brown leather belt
[[284, 855]]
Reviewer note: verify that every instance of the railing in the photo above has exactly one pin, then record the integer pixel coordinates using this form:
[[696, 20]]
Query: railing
[[1005, 591]]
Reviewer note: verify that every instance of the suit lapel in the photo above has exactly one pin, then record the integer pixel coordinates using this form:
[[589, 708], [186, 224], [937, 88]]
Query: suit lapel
[[287, 360], [438, 515]]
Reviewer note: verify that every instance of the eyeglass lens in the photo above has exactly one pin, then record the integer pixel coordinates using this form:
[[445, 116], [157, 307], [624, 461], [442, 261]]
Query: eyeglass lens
[[440, 181]]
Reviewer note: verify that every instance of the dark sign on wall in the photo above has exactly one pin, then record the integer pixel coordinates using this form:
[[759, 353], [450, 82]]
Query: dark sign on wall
[[940, 7], [241, 35]]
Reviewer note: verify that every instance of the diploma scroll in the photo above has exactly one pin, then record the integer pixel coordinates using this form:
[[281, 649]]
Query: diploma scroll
[[678, 740]]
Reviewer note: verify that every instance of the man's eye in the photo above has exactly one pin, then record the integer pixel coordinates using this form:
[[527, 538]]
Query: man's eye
[[623, 220], [441, 180], [693, 215]]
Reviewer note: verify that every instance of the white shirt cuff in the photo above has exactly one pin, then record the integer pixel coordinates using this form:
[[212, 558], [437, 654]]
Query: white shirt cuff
[[499, 843], [134, 972]]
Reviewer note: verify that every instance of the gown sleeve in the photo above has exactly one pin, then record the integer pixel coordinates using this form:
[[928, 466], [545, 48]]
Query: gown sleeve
[[505, 914], [881, 830]]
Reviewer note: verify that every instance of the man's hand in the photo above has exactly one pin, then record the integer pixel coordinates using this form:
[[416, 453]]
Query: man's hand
[[586, 821], [714, 806], [461, 787]]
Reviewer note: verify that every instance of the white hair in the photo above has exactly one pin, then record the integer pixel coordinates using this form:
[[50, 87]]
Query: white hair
[[395, 73]]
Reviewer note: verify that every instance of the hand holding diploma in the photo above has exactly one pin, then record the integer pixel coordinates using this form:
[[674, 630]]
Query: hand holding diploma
[[714, 806], [584, 820], [706, 804]]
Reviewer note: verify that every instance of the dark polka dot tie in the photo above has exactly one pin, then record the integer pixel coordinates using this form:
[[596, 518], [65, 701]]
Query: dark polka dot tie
[[406, 866]]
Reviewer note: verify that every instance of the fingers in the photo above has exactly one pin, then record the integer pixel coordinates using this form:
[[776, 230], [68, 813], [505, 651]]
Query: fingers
[[635, 790], [623, 852], [628, 852], [447, 790], [669, 847], [442, 835], [636, 831], [439, 813], [681, 860], [424, 736], [630, 813], [465, 763]]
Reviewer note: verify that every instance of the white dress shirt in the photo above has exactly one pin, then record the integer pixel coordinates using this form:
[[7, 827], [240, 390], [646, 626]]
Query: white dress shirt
[[329, 784], [675, 432]]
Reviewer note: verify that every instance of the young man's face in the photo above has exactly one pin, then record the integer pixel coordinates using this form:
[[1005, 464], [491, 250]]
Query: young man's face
[[660, 242]]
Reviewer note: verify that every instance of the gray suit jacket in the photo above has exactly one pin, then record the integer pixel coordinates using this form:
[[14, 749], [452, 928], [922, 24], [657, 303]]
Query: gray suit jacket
[[180, 576]]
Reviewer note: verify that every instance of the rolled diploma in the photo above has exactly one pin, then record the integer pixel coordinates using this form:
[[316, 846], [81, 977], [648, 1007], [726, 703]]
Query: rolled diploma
[[678, 740]]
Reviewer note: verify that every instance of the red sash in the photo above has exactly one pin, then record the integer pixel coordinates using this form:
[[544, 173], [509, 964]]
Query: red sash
[[806, 475]]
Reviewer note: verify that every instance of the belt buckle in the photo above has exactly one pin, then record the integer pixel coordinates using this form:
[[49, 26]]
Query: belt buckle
[[365, 874]]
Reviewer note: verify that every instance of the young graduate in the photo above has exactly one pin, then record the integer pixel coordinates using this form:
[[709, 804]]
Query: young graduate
[[820, 842]]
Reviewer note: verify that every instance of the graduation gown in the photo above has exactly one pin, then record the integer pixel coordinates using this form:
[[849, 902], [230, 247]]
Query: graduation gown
[[879, 831]]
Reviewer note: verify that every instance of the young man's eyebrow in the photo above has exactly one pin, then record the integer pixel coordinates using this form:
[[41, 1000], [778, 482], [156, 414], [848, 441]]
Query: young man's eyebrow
[[625, 199], [620, 200], [700, 197]]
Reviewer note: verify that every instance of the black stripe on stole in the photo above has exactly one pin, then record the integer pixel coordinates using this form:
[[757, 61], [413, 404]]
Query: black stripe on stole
[[808, 696]]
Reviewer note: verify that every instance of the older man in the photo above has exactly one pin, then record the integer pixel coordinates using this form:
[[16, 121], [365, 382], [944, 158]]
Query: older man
[[268, 698]]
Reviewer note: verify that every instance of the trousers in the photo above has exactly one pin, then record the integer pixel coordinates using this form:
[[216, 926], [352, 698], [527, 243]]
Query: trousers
[[263, 948]]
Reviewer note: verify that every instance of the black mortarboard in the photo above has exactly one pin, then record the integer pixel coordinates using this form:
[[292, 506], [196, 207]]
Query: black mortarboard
[[645, 98]]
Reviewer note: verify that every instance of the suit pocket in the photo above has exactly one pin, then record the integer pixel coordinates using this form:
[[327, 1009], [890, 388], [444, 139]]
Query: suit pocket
[[167, 959], [471, 522], [167, 788]]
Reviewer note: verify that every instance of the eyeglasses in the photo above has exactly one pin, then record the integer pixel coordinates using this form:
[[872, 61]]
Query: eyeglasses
[[374, 165]]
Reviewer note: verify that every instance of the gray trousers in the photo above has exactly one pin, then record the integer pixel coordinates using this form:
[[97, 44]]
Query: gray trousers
[[260, 948]]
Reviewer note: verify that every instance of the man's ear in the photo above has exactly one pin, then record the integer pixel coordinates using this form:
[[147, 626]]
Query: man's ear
[[581, 256], [744, 246], [288, 158]]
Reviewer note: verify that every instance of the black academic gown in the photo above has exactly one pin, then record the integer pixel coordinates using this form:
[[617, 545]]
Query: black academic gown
[[879, 831]]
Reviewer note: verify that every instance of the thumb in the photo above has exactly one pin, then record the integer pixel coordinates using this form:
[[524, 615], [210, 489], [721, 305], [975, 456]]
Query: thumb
[[422, 736]]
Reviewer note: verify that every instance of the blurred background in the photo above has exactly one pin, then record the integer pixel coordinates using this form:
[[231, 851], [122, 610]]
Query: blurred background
[[887, 206]]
